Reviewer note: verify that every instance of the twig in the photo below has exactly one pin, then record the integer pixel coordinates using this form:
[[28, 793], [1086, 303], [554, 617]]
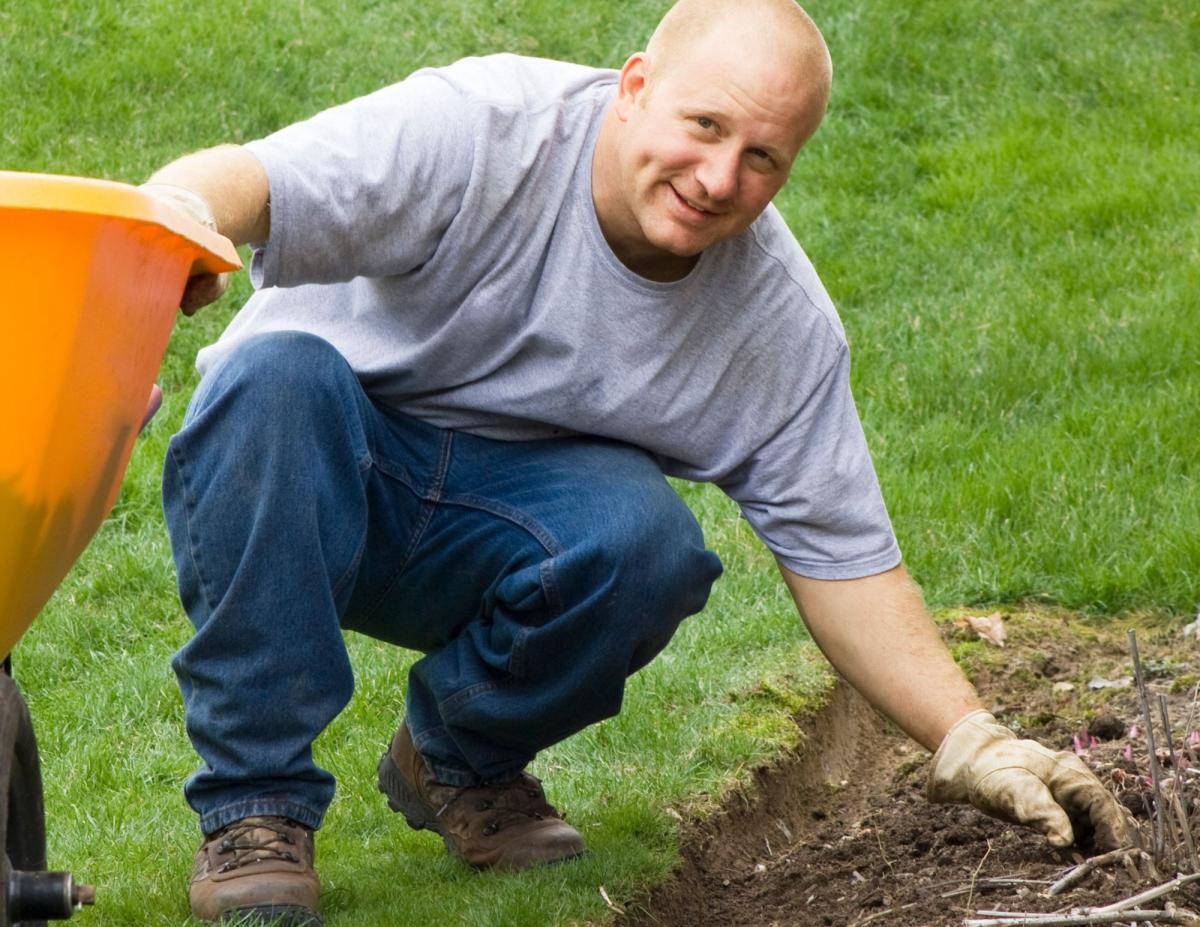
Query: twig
[[879, 841], [1150, 894], [1180, 785], [1014, 919], [983, 884], [1186, 827], [1187, 726], [1085, 868], [879, 914], [1149, 720], [1131, 867], [975, 874]]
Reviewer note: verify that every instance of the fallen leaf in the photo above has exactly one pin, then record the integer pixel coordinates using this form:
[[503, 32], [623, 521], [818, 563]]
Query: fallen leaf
[[989, 627], [609, 903], [1061, 688]]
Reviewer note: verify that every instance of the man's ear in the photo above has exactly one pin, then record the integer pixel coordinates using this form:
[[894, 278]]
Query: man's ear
[[632, 83]]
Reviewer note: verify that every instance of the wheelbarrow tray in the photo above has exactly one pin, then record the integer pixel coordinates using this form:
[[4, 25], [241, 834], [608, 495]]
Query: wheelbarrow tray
[[92, 273]]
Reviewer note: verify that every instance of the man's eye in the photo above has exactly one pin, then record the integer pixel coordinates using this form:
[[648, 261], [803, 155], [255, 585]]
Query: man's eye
[[704, 122]]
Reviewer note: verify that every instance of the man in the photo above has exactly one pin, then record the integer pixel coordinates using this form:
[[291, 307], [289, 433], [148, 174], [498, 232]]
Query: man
[[496, 302]]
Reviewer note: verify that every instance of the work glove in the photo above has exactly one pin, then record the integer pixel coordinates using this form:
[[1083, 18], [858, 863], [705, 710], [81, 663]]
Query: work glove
[[201, 289], [982, 762]]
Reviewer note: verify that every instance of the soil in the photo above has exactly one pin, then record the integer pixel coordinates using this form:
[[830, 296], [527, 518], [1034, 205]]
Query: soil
[[840, 832]]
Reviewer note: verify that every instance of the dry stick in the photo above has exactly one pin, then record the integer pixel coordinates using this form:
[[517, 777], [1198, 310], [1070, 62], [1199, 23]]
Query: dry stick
[[1131, 868], [879, 840], [1186, 827], [1180, 786], [1187, 727], [1085, 868], [1149, 721], [975, 874], [1013, 919], [1149, 895], [983, 884], [879, 914]]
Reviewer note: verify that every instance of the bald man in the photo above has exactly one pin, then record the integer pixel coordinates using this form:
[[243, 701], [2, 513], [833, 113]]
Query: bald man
[[495, 305]]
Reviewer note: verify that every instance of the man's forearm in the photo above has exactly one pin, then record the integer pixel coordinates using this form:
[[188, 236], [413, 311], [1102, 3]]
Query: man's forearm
[[233, 183], [878, 635]]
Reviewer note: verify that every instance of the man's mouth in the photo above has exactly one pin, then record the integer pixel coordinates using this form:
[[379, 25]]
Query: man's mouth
[[690, 205]]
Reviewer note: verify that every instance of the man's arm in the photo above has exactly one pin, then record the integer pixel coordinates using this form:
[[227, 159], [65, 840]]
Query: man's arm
[[225, 189], [877, 633], [232, 182]]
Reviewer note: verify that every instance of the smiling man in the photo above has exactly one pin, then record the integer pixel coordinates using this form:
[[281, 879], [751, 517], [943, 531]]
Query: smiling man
[[704, 129], [495, 305]]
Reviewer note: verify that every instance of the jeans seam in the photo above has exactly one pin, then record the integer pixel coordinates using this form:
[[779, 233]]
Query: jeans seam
[[188, 511], [438, 483], [447, 706], [510, 514], [364, 466], [352, 569], [427, 509], [550, 587], [368, 609], [516, 660]]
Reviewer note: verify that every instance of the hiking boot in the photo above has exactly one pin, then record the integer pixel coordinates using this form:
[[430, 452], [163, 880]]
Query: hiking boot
[[258, 870], [508, 826]]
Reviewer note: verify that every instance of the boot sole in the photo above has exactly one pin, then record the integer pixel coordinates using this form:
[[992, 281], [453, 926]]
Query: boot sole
[[402, 799], [272, 915]]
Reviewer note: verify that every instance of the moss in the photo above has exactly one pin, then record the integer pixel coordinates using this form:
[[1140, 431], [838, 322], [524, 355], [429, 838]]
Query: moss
[[1184, 682]]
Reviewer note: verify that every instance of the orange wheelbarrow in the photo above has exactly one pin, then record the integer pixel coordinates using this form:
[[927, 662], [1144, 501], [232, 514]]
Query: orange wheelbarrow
[[93, 272]]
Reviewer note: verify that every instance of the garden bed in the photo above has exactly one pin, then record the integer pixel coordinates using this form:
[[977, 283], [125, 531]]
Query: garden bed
[[840, 833]]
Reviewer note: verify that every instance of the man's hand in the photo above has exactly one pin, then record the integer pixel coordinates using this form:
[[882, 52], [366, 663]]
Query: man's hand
[[201, 289], [981, 762]]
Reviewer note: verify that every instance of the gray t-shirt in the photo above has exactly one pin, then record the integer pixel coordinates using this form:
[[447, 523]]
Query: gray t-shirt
[[441, 234]]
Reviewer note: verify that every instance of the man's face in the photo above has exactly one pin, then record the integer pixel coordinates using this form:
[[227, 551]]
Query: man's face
[[704, 146]]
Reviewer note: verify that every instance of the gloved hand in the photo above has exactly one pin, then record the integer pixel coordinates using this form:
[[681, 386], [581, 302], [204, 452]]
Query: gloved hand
[[201, 289], [983, 763]]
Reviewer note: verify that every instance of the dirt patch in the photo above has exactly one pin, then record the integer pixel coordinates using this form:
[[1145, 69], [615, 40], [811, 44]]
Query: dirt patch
[[840, 833]]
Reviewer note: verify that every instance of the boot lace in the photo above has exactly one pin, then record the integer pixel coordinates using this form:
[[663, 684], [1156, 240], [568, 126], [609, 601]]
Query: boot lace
[[516, 801], [253, 841]]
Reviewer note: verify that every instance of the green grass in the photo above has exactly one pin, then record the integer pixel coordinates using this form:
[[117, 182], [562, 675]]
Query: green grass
[[1003, 203]]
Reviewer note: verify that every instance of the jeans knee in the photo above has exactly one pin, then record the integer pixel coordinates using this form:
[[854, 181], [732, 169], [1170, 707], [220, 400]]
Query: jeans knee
[[275, 371], [660, 550], [651, 570]]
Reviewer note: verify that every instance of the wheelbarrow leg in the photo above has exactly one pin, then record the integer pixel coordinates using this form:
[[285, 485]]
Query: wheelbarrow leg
[[29, 895]]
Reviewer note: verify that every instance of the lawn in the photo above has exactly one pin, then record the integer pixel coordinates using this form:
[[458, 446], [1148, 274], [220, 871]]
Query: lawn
[[1003, 204]]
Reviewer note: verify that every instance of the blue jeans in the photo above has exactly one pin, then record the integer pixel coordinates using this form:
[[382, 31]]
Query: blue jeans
[[535, 577]]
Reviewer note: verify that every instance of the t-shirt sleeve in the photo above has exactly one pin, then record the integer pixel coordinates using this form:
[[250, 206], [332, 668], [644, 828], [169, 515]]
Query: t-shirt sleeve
[[367, 188], [811, 493]]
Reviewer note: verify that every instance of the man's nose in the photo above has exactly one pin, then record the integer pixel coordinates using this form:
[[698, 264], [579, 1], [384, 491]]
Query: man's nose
[[718, 173]]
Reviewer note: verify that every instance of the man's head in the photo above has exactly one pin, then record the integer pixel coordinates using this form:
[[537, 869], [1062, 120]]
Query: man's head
[[705, 126]]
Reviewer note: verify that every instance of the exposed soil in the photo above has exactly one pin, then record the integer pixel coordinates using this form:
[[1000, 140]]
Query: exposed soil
[[841, 834]]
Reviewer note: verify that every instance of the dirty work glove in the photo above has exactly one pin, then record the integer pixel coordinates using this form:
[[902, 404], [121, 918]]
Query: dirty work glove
[[983, 763], [201, 289]]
